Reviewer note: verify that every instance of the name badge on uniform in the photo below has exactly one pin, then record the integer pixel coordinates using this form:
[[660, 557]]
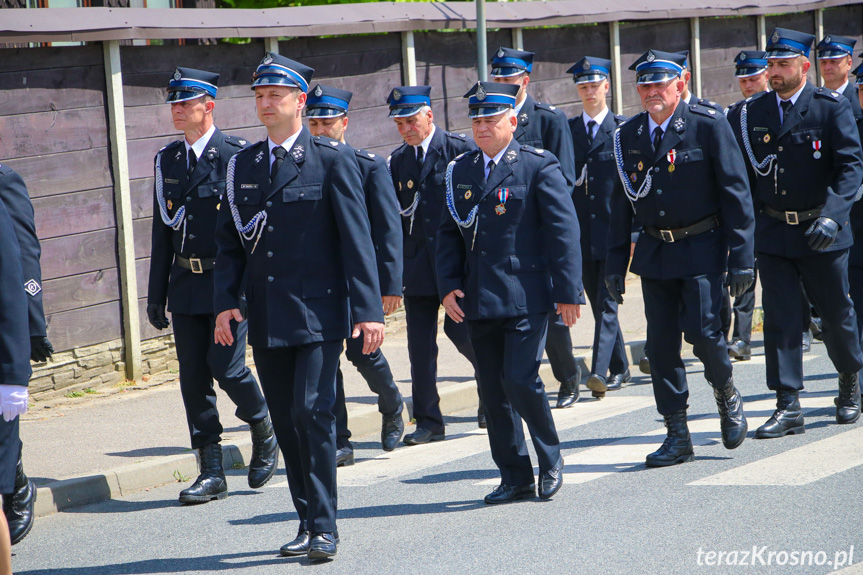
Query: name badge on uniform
[[171, 181], [671, 156], [816, 145], [503, 196], [248, 186]]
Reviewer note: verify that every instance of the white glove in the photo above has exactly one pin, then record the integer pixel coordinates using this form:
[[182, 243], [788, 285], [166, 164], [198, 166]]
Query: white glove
[[13, 401]]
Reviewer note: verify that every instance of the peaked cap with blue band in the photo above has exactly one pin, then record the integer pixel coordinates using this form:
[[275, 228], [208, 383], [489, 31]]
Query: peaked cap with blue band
[[188, 84], [783, 43], [276, 70], [858, 75], [655, 66], [508, 62], [833, 46], [327, 102], [490, 99], [405, 101], [685, 54], [749, 63], [590, 69]]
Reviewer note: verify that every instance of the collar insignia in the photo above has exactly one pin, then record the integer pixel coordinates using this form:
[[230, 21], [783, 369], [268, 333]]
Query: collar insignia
[[298, 153], [259, 157]]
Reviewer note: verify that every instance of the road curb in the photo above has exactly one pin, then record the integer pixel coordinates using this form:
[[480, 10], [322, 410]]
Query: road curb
[[64, 494]]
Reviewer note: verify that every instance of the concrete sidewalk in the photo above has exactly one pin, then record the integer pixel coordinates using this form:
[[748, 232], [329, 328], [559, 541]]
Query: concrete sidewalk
[[90, 449]]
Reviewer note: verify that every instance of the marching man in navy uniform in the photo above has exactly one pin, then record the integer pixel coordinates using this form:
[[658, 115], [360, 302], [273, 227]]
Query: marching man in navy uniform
[[855, 255], [750, 69], [189, 185], [18, 503], [327, 113], [805, 166], [418, 167], [295, 227], [508, 254], [596, 185], [835, 58], [545, 127], [685, 183]]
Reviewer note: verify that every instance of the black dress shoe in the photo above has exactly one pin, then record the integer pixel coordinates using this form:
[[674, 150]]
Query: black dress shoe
[[421, 436], [617, 380], [297, 547], [211, 483], [786, 420], [815, 326], [568, 393], [265, 454], [392, 429], [344, 456], [19, 506], [597, 386], [504, 493], [807, 341], [848, 402], [739, 350], [677, 447], [644, 365], [732, 421], [322, 546], [550, 481]]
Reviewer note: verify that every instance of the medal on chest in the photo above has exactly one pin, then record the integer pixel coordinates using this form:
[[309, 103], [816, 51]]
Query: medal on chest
[[502, 195], [816, 145], [671, 156]]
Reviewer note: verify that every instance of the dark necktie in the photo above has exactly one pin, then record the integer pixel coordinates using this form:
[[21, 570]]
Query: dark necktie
[[193, 161], [591, 124], [491, 167], [657, 138], [279, 152], [786, 109], [420, 157]]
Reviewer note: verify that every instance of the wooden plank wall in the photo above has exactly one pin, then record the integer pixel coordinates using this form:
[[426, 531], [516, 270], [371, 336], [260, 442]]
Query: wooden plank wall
[[53, 131], [53, 123]]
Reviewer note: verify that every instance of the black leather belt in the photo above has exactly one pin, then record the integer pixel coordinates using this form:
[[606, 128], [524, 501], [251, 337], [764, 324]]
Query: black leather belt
[[671, 236], [792, 218], [197, 265]]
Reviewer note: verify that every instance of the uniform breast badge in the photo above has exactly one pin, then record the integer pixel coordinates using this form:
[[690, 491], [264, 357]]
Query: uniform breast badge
[[766, 138], [170, 204], [671, 156], [816, 145], [410, 184], [503, 196], [468, 194]]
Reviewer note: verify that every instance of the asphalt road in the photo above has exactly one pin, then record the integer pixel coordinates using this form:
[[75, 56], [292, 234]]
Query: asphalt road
[[788, 505]]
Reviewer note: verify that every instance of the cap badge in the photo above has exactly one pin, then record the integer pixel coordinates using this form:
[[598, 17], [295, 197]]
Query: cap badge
[[177, 75], [650, 57], [397, 95], [267, 60], [743, 55], [500, 53], [586, 64], [827, 39], [775, 37], [480, 93], [318, 91]]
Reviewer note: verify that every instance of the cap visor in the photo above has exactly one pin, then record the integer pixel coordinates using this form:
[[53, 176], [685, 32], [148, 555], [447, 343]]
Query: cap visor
[[782, 53], [656, 77], [273, 80], [588, 78], [182, 96], [323, 112], [487, 111], [507, 72], [747, 72], [405, 112], [832, 54]]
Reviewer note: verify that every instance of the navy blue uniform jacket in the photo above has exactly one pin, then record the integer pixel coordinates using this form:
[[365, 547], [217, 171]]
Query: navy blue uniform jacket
[[14, 194], [709, 178], [419, 249], [543, 126], [315, 249], [202, 194], [524, 260], [803, 182], [383, 210], [593, 197], [14, 331]]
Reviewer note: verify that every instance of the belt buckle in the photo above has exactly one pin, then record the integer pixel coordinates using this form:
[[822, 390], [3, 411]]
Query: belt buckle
[[791, 218], [197, 268], [667, 236]]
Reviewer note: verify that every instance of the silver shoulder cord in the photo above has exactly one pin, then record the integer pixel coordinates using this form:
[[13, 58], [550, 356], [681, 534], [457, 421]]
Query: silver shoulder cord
[[582, 179], [179, 218], [471, 219], [769, 163], [630, 192], [411, 209], [255, 227]]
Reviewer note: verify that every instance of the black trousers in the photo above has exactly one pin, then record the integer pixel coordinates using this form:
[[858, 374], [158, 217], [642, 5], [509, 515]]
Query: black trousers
[[421, 315], [609, 351], [558, 348], [825, 279], [509, 353], [201, 360], [741, 314], [10, 450], [300, 386], [693, 304], [376, 371], [855, 281]]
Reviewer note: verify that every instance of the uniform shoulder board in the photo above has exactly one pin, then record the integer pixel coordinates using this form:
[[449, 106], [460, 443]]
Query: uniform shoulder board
[[532, 150], [703, 111], [462, 155], [544, 106], [235, 141], [829, 94], [4, 170], [367, 156], [174, 144], [621, 120], [630, 120], [455, 136], [328, 142]]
